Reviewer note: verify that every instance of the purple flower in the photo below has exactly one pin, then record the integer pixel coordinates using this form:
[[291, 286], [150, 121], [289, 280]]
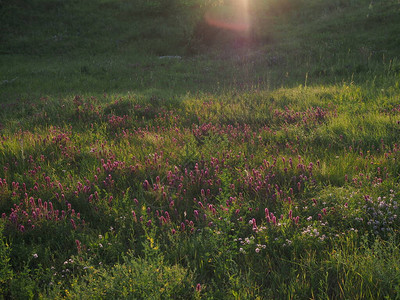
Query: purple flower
[[78, 245], [198, 287]]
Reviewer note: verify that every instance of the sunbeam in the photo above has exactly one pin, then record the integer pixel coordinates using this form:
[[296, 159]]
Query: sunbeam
[[234, 16]]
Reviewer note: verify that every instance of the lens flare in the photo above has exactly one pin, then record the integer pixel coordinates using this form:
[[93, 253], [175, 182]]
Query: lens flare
[[234, 16]]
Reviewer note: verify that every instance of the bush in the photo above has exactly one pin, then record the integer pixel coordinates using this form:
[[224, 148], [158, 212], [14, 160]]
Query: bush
[[134, 278]]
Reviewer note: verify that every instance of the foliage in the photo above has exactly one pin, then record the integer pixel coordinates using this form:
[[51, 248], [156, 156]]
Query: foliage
[[6, 273], [135, 278]]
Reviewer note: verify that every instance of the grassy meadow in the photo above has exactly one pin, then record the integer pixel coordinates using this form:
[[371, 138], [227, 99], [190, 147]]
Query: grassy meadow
[[145, 154]]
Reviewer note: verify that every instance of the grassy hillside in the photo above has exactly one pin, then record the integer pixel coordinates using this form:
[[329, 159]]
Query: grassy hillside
[[69, 47], [147, 154]]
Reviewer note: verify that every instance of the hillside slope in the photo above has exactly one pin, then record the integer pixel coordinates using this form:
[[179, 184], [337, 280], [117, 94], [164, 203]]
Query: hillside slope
[[54, 46]]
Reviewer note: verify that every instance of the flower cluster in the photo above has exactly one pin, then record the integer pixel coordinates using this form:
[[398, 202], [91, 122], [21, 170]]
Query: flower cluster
[[382, 214], [32, 214]]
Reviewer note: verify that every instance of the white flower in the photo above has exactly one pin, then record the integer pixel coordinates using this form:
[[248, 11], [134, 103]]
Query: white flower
[[35, 255]]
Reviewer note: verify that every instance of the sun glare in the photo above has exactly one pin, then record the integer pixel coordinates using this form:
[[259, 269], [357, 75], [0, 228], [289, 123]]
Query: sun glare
[[234, 16]]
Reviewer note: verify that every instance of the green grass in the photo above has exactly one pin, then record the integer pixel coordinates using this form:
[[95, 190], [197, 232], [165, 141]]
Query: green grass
[[261, 167]]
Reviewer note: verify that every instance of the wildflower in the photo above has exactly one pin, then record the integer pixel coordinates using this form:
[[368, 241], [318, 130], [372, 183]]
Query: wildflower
[[198, 287], [146, 185], [73, 224], [78, 245], [253, 221], [134, 216], [35, 255]]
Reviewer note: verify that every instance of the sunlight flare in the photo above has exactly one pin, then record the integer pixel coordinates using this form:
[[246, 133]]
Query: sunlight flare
[[234, 16]]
